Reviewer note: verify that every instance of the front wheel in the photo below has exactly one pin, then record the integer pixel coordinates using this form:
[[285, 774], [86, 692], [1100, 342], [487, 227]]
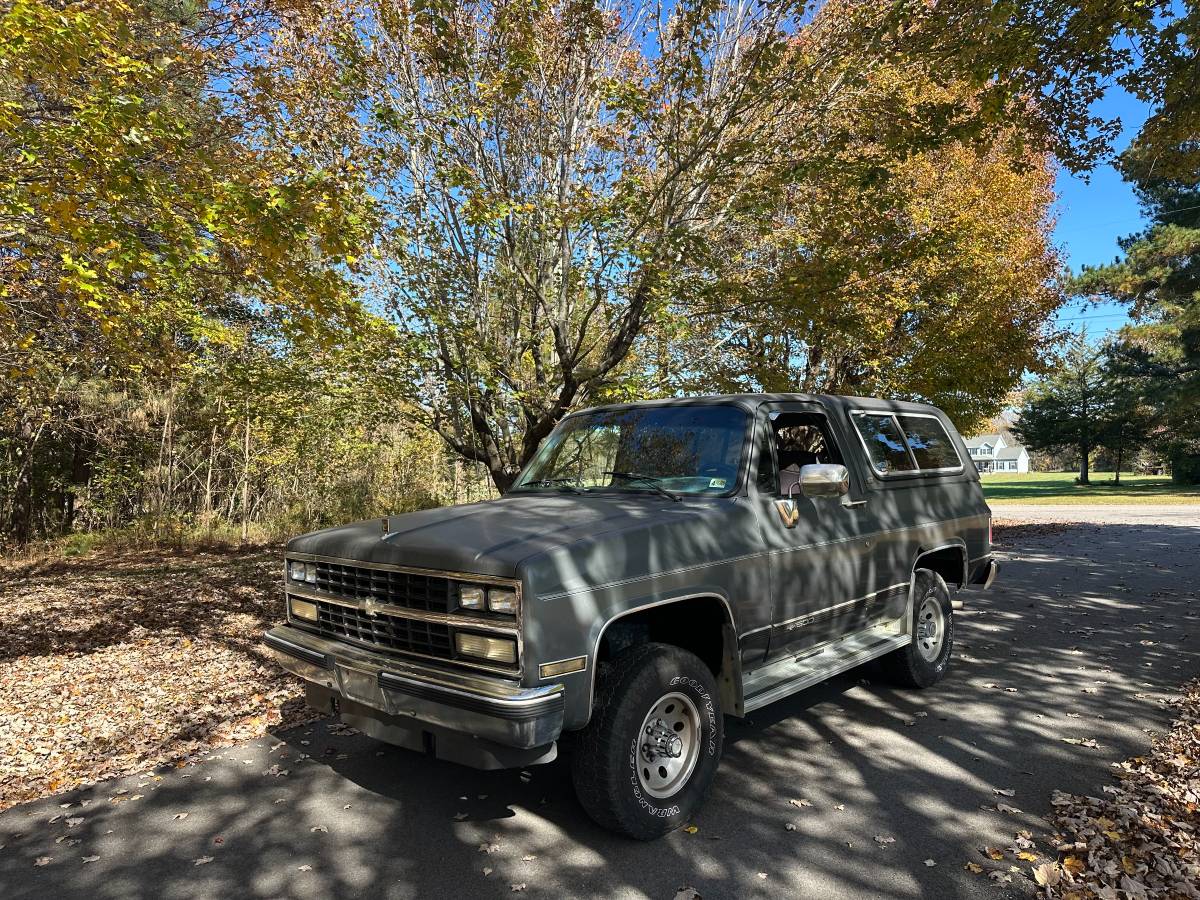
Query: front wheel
[[923, 662], [645, 761]]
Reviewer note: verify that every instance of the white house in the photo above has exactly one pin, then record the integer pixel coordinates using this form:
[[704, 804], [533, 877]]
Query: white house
[[996, 453]]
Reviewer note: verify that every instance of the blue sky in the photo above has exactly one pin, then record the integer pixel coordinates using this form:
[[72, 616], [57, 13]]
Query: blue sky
[[1093, 213]]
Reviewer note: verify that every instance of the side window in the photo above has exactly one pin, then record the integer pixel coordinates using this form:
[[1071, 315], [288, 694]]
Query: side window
[[930, 444], [800, 439], [884, 442], [768, 477]]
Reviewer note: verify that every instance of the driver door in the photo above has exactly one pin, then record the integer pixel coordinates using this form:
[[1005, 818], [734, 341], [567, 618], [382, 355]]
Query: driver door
[[819, 548]]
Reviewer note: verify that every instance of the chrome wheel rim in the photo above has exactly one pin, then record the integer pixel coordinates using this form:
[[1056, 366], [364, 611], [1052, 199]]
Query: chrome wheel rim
[[931, 628], [668, 745]]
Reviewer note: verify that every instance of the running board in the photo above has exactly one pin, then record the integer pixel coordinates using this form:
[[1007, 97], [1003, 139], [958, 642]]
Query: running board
[[777, 680]]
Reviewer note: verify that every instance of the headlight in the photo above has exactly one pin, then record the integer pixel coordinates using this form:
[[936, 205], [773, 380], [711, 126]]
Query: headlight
[[492, 649], [502, 600], [302, 571], [470, 597]]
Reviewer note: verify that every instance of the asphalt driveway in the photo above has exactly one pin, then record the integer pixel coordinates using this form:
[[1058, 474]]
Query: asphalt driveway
[[1087, 633]]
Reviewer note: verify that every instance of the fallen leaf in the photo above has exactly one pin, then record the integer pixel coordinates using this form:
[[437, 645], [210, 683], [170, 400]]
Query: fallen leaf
[[1004, 792], [993, 853], [517, 888], [931, 863], [180, 816], [78, 820], [800, 802], [1027, 856], [762, 875], [529, 858], [883, 839], [687, 893], [1047, 874], [204, 860], [90, 859], [691, 829], [973, 868], [487, 870], [320, 828], [42, 860], [790, 826], [1005, 808], [489, 849], [1074, 865], [304, 868]]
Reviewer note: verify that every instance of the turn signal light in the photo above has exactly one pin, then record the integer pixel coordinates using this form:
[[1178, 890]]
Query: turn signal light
[[492, 649], [302, 609]]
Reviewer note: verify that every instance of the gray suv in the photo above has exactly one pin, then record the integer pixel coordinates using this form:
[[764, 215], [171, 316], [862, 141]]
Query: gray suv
[[656, 567]]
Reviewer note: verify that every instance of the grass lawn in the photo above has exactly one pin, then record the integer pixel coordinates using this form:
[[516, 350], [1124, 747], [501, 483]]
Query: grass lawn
[[1060, 487]]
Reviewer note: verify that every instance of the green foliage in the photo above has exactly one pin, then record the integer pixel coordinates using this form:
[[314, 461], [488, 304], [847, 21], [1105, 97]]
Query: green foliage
[[1159, 274], [1067, 408]]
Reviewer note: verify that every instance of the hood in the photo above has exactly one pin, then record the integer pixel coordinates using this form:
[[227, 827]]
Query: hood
[[493, 537]]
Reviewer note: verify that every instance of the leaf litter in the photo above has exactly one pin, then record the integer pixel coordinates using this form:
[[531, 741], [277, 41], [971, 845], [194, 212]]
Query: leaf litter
[[93, 649], [1141, 839]]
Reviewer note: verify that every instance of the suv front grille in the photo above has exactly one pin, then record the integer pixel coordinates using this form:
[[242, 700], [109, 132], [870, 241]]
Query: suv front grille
[[431, 593], [384, 631]]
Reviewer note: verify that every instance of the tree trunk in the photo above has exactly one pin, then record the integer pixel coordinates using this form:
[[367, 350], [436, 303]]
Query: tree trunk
[[502, 478], [1120, 453], [207, 509], [246, 480], [1085, 451]]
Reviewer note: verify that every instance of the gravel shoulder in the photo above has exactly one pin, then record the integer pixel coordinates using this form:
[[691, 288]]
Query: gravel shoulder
[[1063, 669]]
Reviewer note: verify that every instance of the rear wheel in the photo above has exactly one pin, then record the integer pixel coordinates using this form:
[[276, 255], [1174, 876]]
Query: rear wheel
[[645, 761], [924, 661]]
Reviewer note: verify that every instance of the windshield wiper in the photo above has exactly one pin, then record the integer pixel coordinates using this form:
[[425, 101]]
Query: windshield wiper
[[567, 484], [649, 480]]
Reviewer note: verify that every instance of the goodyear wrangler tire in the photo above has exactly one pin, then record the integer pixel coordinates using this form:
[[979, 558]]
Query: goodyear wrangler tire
[[923, 663], [647, 758]]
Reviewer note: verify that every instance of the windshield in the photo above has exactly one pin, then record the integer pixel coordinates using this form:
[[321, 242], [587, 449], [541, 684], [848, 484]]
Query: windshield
[[677, 449]]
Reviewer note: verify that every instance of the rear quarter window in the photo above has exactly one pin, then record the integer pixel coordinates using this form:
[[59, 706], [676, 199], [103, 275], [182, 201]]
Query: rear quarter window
[[884, 443], [930, 444]]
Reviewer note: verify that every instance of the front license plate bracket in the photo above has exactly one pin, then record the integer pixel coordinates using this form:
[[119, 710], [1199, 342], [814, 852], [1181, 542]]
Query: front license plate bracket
[[361, 686]]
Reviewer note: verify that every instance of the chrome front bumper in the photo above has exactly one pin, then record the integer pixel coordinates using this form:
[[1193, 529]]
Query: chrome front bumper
[[469, 718]]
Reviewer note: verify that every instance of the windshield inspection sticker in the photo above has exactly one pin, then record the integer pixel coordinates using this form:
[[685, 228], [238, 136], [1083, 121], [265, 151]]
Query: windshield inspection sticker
[[716, 482]]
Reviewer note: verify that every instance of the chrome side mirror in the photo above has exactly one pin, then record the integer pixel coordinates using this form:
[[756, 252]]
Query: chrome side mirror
[[824, 480]]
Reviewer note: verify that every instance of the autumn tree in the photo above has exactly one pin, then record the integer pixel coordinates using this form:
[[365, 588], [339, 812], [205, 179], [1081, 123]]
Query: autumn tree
[[146, 213], [546, 173], [879, 271]]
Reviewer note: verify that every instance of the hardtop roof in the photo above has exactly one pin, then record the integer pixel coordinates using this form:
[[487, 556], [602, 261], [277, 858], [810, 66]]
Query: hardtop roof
[[753, 401]]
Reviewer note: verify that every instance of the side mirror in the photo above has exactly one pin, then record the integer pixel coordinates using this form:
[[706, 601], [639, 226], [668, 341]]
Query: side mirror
[[824, 480]]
